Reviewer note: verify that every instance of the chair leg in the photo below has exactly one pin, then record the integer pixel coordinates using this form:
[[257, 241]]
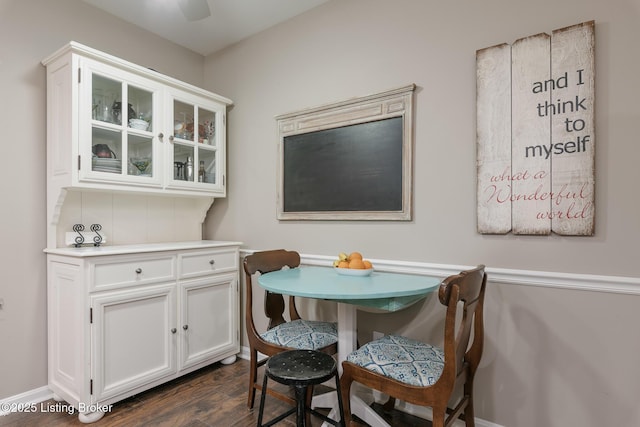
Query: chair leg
[[469, 416], [345, 391], [253, 375], [340, 414], [439, 416]]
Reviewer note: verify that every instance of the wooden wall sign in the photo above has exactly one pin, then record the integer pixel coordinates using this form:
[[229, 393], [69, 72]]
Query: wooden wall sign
[[536, 134]]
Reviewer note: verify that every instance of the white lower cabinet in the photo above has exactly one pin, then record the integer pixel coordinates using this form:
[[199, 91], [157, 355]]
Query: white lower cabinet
[[131, 342], [121, 322], [206, 323]]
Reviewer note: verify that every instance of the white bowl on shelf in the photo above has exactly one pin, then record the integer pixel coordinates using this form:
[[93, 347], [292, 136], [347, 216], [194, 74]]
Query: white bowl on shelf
[[139, 124]]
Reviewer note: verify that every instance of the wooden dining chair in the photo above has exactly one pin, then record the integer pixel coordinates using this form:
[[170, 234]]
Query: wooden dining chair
[[280, 335], [423, 374]]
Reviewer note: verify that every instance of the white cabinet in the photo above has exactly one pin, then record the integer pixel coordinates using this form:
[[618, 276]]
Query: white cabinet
[[205, 318], [196, 149], [207, 298], [114, 146], [113, 125], [123, 319], [131, 343]]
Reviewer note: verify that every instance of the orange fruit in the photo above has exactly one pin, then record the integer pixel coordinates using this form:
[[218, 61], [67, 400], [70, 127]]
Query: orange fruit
[[367, 264], [356, 264], [355, 255], [343, 264]]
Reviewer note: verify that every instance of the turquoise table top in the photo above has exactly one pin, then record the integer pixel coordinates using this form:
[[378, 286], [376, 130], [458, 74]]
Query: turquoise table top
[[382, 290]]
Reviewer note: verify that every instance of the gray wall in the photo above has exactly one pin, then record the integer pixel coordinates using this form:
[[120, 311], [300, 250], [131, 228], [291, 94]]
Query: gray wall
[[555, 356], [353, 48]]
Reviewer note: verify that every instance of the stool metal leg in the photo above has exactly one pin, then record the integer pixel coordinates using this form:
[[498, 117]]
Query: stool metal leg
[[340, 407], [301, 414], [263, 394], [263, 397], [340, 421]]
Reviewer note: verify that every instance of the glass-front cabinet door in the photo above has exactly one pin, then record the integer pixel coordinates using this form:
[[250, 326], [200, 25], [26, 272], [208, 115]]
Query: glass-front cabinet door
[[197, 143], [122, 142]]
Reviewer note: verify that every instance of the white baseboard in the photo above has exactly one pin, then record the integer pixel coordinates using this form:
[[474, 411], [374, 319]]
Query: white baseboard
[[24, 400], [426, 413], [244, 353]]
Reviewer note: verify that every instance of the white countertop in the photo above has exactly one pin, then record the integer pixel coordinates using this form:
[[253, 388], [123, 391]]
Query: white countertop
[[89, 251]]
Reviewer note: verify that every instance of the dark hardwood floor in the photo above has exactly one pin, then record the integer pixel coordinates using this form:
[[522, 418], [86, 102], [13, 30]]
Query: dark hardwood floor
[[214, 396]]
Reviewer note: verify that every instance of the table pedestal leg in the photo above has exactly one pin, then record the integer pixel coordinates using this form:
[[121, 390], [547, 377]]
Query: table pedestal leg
[[361, 397], [347, 331]]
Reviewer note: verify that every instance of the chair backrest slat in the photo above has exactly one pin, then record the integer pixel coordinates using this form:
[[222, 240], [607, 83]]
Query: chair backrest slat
[[265, 262], [466, 288]]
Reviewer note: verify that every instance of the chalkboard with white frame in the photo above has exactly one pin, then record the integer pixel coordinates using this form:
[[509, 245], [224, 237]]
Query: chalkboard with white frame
[[348, 161]]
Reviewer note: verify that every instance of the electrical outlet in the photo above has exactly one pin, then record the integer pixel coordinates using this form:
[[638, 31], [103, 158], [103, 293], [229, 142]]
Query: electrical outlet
[[377, 335]]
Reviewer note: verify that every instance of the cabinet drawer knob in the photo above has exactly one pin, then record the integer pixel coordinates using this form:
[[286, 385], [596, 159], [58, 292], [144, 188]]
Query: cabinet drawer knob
[[212, 261], [185, 327], [138, 270], [174, 330]]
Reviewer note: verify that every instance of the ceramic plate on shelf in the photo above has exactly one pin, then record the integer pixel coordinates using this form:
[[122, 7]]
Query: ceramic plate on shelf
[[106, 161], [353, 271]]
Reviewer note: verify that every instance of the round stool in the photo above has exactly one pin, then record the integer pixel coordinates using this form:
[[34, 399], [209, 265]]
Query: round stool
[[301, 369]]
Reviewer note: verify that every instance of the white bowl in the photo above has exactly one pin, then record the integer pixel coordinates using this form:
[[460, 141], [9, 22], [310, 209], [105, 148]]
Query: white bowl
[[353, 271], [139, 124]]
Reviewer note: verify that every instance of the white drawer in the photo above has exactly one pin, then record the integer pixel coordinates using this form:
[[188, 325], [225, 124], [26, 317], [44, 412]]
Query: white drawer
[[196, 264], [128, 271]]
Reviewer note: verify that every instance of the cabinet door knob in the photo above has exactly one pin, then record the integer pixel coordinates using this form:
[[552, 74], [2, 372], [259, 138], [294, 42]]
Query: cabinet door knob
[[138, 270], [174, 330], [185, 327], [213, 261], [160, 136], [171, 138]]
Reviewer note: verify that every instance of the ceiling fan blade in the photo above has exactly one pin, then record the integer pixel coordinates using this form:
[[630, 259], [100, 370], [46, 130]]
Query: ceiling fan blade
[[194, 10]]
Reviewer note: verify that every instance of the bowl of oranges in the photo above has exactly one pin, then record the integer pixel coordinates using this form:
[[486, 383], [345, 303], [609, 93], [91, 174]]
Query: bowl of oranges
[[352, 264]]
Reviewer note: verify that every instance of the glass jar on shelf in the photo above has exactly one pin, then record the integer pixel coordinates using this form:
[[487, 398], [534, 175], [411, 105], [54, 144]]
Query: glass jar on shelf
[[183, 120]]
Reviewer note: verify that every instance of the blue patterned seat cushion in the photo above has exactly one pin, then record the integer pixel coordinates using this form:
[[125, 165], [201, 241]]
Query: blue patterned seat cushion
[[303, 334], [403, 359]]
